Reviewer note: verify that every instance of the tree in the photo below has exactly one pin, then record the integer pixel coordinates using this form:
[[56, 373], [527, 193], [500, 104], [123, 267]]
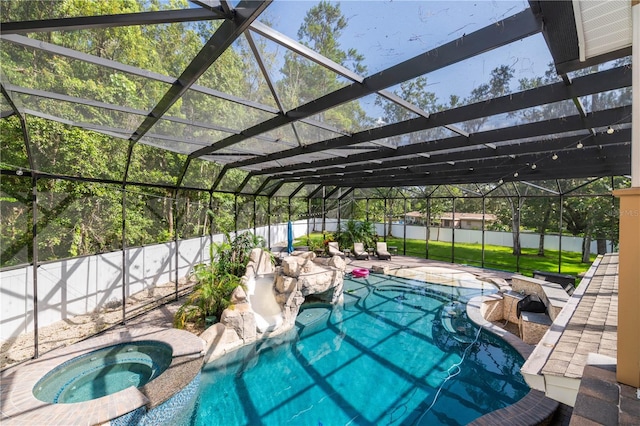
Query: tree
[[536, 214], [508, 209], [590, 214], [77, 218], [499, 85], [304, 81]]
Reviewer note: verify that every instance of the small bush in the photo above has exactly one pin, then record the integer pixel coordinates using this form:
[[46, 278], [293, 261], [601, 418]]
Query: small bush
[[217, 281]]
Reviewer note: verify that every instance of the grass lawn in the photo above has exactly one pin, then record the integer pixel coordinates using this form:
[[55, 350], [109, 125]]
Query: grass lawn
[[495, 257]]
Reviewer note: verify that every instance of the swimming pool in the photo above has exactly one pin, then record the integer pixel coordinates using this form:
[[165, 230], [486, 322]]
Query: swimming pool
[[397, 352]]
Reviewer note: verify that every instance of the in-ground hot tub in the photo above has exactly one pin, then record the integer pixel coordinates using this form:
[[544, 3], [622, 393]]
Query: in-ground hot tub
[[104, 372]]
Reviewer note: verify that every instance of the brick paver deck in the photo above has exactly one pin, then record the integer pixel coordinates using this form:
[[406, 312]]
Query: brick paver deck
[[593, 326]]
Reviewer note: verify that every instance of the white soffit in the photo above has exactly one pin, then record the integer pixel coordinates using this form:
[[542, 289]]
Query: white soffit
[[602, 26]]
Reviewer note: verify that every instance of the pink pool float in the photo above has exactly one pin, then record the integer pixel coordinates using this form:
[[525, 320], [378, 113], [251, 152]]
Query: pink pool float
[[360, 273]]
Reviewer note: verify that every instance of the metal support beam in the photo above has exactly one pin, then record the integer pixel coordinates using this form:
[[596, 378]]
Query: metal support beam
[[235, 214], [254, 217], [504, 32], [244, 182], [313, 56], [275, 189], [110, 21], [560, 234], [176, 241], [595, 158], [295, 191], [333, 191], [428, 224], [269, 222], [635, 141], [542, 188], [224, 36], [117, 66], [309, 218], [125, 266], [345, 193], [404, 228], [453, 229], [5, 89], [593, 83], [34, 211], [219, 178], [34, 240], [302, 50], [385, 213], [263, 186], [324, 212], [183, 172], [484, 212]]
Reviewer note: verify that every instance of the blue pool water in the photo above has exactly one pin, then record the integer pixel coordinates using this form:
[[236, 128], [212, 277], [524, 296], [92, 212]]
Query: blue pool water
[[104, 372], [381, 359]]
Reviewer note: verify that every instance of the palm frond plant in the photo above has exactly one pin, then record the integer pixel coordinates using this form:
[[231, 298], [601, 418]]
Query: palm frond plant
[[217, 281], [356, 232], [211, 296], [232, 255]]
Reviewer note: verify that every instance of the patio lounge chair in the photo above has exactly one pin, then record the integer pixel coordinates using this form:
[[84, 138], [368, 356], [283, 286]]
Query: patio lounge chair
[[334, 249], [383, 253], [359, 252]]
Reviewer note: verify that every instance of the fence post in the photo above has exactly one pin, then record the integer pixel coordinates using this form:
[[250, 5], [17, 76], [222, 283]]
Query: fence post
[[453, 229], [484, 212], [404, 230], [426, 254]]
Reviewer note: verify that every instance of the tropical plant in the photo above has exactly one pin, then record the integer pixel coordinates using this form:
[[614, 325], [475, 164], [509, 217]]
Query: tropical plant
[[217, 281], [210, 297], [315, 244], [356, 232], [232, 255]]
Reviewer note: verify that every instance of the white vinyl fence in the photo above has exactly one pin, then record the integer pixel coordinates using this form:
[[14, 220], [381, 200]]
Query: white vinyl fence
[[494, 238], [80, 285]]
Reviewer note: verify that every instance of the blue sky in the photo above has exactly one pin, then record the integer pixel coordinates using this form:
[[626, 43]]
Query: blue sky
[[389, 32]]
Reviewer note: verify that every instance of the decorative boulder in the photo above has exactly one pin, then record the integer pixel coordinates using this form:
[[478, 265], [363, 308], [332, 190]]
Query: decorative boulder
[[298, 277], [317, 282], [241, 319], [285, 284], [338, 263], [291, 266], [260, 263], [238, 296]]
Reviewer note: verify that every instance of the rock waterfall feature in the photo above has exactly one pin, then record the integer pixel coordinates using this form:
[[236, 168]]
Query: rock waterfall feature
[[270, 297]]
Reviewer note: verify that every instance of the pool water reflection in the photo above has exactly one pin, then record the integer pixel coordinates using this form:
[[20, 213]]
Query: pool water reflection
[[382, 358]]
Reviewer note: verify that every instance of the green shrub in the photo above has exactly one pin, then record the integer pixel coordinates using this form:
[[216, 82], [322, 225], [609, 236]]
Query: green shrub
[[356, 232], [231, 256], [217, 281], [211, 296]]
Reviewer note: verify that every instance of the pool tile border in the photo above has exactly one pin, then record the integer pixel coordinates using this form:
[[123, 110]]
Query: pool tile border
[[535, 408], [20, 407]]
